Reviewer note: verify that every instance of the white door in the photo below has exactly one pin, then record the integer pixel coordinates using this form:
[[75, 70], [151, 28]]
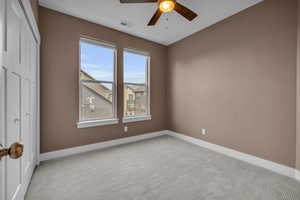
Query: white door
[[18, 59], [2, 80]]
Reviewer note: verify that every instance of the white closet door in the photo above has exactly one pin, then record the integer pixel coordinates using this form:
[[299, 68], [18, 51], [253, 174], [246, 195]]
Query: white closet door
[[13, 168], [2, 130], [18, 56], [26, 128], [2, 92], [28, 55]]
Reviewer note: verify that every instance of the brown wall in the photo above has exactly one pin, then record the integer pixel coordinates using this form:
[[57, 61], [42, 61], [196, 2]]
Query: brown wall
[[35, 9], [59, 82], [238, 80]]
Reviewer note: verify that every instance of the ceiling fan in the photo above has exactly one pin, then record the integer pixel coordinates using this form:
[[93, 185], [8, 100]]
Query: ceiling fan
[[165, 6]]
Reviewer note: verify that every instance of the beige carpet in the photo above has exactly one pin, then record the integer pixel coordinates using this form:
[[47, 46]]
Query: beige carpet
[[163, 168]]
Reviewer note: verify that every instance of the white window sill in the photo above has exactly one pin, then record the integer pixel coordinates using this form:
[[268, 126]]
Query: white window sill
[[86, 124], [137, 118]]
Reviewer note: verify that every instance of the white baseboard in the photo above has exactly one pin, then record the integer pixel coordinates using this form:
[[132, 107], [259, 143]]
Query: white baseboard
[[275, 167], [27, 179], [297, 175], [101, 145]]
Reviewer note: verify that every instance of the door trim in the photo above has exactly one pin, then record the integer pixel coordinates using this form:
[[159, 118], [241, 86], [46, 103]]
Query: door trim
[[26, 6]]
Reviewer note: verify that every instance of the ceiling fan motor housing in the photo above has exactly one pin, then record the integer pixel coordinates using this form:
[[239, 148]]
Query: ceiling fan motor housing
[[159, 1], [166, 5]]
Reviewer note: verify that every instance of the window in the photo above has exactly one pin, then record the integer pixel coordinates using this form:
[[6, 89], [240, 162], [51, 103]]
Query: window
[[136, 86], [97, 84]]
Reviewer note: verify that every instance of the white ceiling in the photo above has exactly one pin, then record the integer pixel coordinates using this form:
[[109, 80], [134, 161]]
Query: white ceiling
[[170, 28]]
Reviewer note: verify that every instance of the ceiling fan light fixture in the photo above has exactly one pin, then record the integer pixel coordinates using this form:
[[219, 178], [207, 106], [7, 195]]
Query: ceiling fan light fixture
[[166, 5]]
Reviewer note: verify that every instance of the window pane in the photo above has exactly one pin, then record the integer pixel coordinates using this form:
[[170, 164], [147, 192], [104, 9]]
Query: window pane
[[96, 62], [135, 100], [135, 66], [96, 101]]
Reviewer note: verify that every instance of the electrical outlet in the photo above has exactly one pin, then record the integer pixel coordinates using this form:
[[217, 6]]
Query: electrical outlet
[[204, 131], [126, 129]]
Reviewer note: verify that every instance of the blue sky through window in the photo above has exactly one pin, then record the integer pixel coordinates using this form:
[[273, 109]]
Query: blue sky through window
[[134, 68], [98, 62]]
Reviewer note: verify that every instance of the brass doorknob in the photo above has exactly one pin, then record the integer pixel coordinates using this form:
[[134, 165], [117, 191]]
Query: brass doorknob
[[14, 152]]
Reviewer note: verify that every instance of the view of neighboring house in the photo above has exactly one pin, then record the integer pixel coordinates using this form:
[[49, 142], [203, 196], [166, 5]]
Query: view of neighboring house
[[97, 99], [135, 101]]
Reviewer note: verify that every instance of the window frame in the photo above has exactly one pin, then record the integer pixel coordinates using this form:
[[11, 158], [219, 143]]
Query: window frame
[[147, 116], [99, 122]]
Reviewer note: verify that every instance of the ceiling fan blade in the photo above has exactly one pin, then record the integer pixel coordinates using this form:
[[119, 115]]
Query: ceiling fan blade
[[138, 1], [185, 12], [155, 18]]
